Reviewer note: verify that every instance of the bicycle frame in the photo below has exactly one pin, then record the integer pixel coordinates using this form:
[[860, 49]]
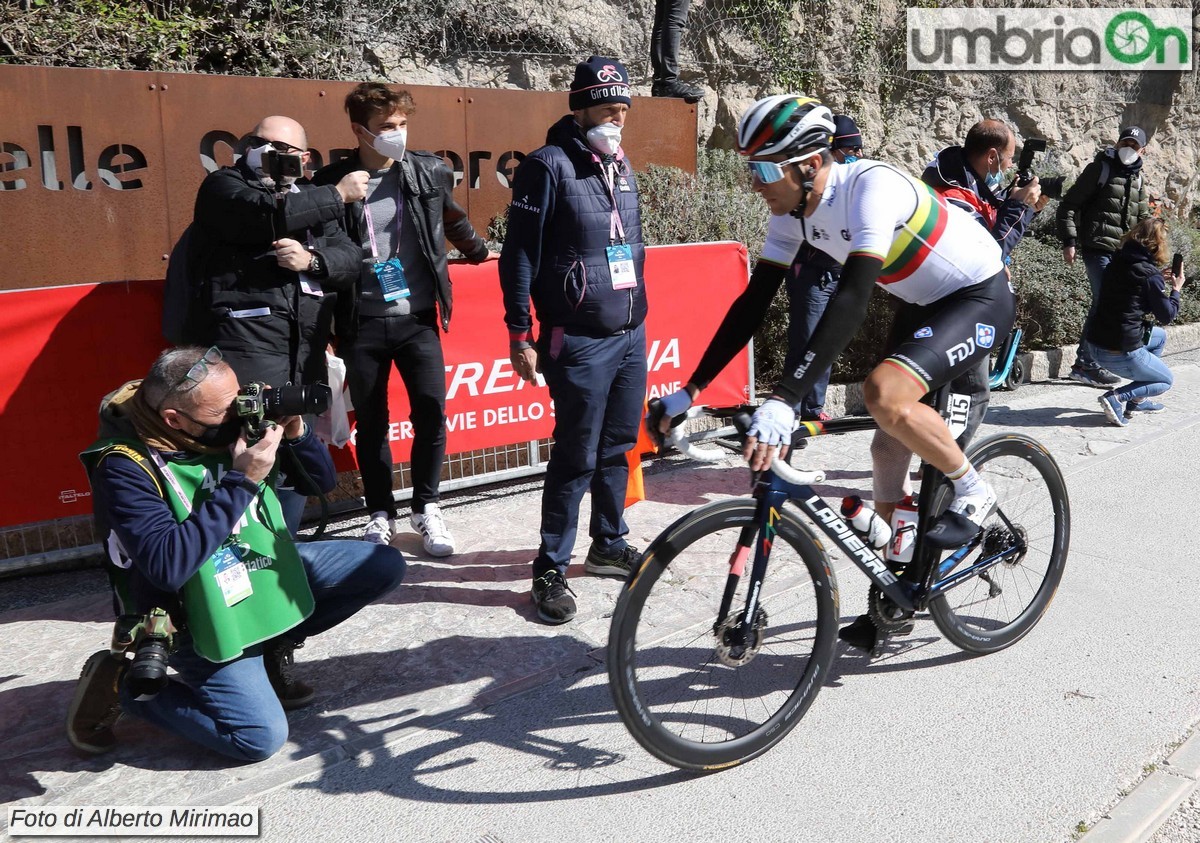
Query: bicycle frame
[[910, 590]]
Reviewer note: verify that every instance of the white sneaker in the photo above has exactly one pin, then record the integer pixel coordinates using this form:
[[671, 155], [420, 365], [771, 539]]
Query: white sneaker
[[437, 539], [380, 529]]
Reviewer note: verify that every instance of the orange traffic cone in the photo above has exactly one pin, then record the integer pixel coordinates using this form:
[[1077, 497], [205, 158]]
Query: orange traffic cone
[[635, 489]]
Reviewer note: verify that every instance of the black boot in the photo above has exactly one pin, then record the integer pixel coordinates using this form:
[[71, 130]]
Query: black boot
[[678, 90], [278, 659]]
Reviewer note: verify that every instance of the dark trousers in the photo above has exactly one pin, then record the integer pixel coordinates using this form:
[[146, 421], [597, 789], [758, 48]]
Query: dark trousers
[[670, 17], [413, 344], [809, 290], [1094, 263], [598, 387]]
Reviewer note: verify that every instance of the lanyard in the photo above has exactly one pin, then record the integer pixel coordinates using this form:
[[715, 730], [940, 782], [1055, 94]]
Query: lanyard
[[615, 229], [399, 218], [166, 472]]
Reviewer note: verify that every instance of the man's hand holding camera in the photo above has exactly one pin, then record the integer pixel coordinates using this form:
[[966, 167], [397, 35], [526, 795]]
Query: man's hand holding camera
[[1030, 194], [256, 460]]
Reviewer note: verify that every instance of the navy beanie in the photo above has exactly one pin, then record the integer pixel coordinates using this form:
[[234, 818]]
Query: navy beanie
[[845, 132], [599, 81]]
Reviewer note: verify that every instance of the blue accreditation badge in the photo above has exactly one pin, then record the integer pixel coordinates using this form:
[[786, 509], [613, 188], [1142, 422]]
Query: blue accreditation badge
[[391, 279], [620, 266]]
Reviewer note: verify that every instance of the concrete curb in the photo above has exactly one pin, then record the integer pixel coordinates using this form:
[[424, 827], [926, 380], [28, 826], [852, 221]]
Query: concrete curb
[[1040, 366], [1139, 814]]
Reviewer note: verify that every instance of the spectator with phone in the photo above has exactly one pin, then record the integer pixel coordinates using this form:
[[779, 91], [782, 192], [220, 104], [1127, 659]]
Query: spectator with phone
[[1123, 337]]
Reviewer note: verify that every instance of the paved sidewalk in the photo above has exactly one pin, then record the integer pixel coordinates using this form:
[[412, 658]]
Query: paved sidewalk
[[447, 713]]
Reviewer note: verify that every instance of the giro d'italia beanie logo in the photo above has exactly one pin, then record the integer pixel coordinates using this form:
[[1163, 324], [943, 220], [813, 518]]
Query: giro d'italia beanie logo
[[1049, 39]]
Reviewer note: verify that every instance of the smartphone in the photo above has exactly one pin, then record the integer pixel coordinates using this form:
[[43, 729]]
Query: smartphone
[[1177, 264]]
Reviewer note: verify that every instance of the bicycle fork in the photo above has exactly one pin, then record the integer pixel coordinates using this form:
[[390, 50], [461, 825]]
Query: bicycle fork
[[738, 639]]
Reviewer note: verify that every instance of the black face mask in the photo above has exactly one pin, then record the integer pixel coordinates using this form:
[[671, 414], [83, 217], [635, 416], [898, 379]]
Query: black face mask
[[217, 435]]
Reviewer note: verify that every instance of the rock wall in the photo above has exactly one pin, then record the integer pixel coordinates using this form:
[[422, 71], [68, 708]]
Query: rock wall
[[851, 56]]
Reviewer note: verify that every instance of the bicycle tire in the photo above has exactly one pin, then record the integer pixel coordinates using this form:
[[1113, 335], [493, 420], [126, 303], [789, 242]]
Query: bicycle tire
[[1033, 497], [663, 622]]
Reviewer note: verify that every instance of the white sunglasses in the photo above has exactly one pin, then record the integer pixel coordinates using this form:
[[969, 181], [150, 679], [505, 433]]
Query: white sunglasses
[[769, 172]]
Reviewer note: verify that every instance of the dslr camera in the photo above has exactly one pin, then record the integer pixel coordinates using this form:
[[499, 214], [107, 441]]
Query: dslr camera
[[150, 638], [257, 404], [1051, 187]]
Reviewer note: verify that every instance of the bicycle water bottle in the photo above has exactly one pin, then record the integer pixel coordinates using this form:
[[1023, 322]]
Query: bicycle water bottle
[[904, 531], [866, 522]]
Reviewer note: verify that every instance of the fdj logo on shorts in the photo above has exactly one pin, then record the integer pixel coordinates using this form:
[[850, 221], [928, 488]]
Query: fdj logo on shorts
[[1049, 39]]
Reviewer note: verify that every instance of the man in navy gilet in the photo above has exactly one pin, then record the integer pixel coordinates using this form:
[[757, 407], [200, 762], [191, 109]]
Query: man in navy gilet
[[574, 247]]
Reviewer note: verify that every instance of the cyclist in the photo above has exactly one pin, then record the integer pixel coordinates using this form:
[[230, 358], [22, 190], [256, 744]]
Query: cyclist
[[890, 229]]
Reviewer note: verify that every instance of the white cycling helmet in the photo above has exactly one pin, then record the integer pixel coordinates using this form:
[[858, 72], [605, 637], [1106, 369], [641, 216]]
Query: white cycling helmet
[[788, 123]]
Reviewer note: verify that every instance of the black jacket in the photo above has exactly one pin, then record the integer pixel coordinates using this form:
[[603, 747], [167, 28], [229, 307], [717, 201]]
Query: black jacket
[[558, 233], [1096, 216], [267, 328], [428, 185], [950, 175], [1132, 293]]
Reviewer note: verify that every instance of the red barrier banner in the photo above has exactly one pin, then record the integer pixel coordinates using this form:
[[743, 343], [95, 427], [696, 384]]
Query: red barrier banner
[[67, 347]]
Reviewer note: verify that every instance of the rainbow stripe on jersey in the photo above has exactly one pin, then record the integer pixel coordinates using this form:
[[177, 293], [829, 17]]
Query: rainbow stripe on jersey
[[919, 235]]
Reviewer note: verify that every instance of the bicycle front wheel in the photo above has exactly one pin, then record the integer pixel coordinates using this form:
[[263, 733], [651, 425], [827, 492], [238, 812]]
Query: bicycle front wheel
[[685, 694], [996, 609]]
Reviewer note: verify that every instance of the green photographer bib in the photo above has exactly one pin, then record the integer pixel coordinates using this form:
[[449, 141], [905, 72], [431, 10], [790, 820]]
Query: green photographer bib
[[254, 587]]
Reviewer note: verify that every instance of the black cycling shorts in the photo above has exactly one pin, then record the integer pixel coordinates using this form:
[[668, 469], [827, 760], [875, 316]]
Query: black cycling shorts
[[936, 343]]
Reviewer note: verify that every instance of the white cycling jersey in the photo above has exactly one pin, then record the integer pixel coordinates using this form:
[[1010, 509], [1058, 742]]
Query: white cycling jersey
[[929, 248]]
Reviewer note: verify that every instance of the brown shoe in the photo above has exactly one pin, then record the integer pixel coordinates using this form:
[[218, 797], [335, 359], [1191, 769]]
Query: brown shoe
[[95, 708], [278, 658]]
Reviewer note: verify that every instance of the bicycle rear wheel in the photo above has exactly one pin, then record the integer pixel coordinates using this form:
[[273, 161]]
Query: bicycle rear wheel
[[683, 693], [992, 611]]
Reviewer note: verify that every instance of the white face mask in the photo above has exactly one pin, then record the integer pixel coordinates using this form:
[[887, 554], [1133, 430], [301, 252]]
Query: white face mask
[[254, 157], [1128, 155], [254, 160], [605, 138], [390, 144]]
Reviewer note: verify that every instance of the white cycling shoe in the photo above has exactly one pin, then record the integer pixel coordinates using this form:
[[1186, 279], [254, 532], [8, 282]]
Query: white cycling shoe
[[962, 519]]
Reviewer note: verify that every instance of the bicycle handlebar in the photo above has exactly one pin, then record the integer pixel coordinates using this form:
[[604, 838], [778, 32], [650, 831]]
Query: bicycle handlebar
[[678, 440]]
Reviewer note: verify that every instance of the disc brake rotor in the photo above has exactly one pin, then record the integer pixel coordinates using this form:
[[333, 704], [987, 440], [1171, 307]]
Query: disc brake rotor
[[735, 653]]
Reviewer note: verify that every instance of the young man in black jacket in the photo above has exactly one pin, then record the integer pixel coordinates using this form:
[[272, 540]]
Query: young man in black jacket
[[575, 247], [392, 316]]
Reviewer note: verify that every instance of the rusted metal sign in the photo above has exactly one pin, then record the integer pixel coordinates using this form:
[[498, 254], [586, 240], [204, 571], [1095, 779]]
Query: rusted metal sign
[[99, 169]]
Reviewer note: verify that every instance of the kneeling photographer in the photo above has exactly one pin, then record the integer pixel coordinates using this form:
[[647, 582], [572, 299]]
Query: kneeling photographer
[[183, 493]]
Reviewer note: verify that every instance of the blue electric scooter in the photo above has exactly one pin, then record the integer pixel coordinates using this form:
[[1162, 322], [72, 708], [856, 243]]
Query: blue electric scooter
[[1007, 369]]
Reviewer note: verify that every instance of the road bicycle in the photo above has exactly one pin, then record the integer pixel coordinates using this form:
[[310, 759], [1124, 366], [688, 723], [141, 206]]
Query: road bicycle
[[723, 635]]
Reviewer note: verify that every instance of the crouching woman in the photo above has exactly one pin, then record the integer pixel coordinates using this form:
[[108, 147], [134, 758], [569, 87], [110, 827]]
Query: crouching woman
[[1133, 293]]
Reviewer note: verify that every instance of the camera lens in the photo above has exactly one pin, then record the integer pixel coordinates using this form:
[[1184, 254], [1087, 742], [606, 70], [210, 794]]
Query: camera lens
[[296, 400], [147, 675]]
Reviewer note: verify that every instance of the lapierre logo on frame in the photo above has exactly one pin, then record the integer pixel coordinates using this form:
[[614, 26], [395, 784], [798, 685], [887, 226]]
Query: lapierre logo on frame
[[1050, 39]]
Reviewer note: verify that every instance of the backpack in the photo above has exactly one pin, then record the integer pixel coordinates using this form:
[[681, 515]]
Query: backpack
[[185, 311]]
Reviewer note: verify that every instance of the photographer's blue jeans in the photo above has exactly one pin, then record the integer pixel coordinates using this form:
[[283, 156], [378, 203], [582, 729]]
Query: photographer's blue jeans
[[231, 708], [1143, 366], [1094, 263]]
